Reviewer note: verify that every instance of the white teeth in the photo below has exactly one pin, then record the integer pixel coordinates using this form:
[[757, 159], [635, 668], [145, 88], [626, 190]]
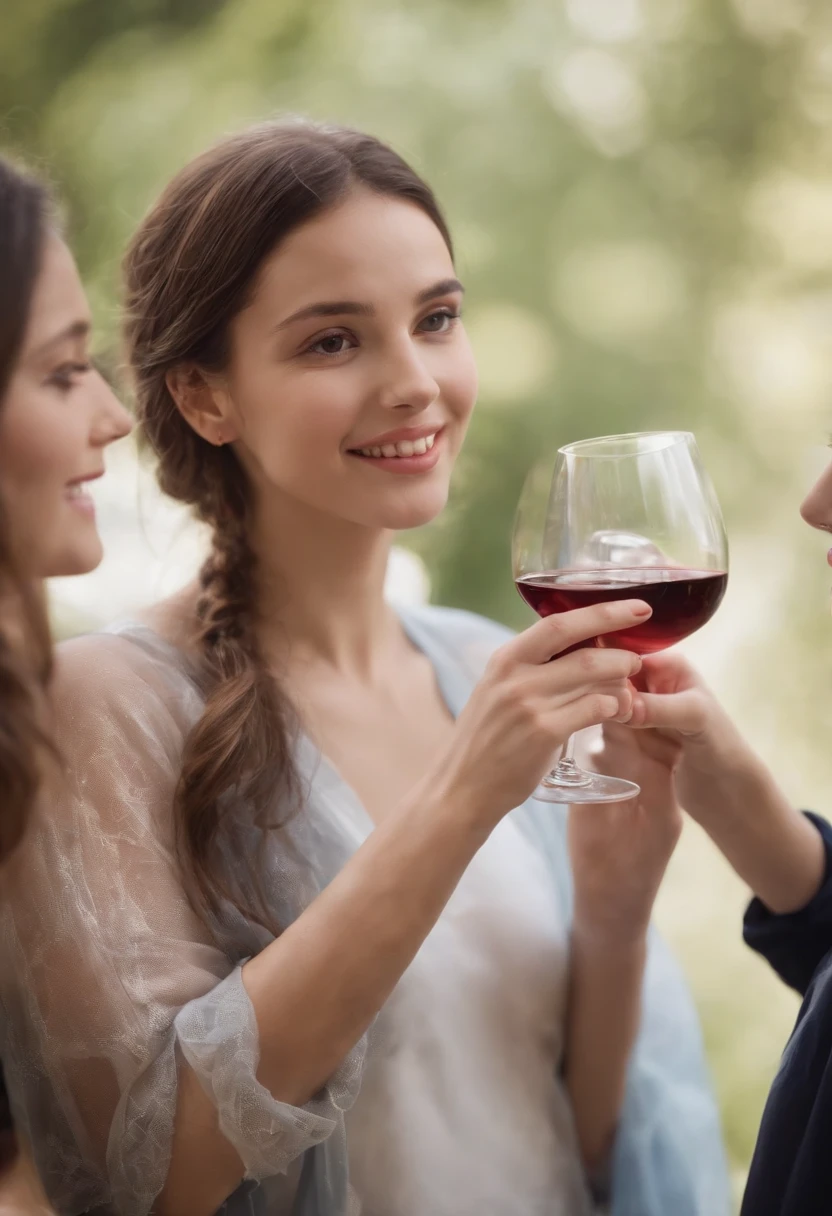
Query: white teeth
[[406, 447]]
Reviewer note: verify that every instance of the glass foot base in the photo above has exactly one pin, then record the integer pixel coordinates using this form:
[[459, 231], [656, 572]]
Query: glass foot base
[[591, 787]]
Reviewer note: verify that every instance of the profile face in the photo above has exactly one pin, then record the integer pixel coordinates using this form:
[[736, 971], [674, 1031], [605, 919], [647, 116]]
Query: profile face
[[351, 380], [57, 417], [816, 508]]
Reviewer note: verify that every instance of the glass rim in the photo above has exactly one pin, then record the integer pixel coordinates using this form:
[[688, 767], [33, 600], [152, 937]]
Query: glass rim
[[671, 437]]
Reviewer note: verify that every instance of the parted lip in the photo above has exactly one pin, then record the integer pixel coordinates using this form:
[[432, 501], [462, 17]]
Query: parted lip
[[398, 436], [78, 481]]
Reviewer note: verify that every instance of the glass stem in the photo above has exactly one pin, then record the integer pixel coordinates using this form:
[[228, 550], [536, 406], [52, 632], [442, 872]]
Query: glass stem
[[566, 771]]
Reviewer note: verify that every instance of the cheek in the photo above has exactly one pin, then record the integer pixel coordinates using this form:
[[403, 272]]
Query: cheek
[[296, 427], [459, 389]]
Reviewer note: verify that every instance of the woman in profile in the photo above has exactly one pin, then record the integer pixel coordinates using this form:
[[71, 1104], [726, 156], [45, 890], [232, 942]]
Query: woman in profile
[[56, 417], [689, 753], [296, 939]]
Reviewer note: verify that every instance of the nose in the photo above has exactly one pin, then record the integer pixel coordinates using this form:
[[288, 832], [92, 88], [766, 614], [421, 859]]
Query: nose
[[406, 382], [816, 508], [111, 420]]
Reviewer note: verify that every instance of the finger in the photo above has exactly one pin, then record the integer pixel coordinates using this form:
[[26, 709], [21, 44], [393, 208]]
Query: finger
[[559, 632], [667, 672], [582, 670], [589, 710], [680, 711]]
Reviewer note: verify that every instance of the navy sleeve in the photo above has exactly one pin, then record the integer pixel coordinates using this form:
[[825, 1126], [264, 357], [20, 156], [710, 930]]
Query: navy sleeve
[[795, 943]]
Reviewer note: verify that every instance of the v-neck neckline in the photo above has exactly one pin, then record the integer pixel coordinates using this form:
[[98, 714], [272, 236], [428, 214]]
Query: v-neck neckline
[[422, 641]]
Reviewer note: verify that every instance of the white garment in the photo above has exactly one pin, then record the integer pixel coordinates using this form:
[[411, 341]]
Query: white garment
[[460, 1112]]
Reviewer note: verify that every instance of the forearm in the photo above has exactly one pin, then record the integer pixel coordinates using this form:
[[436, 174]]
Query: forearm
[[602, 1023], [772, 847], [317, 987]]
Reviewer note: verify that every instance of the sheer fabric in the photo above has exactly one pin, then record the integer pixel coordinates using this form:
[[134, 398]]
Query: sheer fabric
[[107, 978]]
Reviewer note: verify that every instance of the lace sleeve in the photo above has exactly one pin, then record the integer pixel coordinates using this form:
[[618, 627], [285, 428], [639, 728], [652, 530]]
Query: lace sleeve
[[107, 977]]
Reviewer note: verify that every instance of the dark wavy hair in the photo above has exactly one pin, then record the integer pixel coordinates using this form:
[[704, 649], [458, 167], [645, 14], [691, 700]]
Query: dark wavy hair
[[25, 642], [189, 271]]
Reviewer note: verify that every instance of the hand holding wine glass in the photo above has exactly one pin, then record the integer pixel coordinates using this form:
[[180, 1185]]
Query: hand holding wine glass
[[537, 690], [620, 517]]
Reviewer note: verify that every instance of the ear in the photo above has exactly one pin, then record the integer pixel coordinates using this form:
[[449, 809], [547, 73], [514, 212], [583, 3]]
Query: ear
[[203, 403]]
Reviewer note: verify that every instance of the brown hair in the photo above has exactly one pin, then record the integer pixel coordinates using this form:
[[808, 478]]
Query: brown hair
[[25, 643], [190, 269]]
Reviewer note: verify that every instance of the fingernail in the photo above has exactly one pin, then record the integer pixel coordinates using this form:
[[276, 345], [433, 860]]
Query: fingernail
[[642, 609]]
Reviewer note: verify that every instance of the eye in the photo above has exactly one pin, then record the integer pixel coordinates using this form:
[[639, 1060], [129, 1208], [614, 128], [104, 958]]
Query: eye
[[67, 375], [439, 322], [331, 344]]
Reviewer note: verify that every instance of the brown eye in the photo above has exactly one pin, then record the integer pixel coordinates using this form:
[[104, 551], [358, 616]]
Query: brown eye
[[439, 322]]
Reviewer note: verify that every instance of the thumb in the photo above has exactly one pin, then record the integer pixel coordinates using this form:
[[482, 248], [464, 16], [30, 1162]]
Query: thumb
[[680, 711]]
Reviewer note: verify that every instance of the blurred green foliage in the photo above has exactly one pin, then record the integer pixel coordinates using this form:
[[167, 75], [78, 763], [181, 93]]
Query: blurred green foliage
[[641, 194]]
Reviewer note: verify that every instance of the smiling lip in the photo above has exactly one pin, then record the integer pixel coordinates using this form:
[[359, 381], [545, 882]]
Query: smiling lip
[[403, 462], [403, 433], [78, 497]]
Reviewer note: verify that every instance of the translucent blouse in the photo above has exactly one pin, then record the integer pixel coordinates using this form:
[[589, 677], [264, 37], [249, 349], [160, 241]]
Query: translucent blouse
[[107, 977]]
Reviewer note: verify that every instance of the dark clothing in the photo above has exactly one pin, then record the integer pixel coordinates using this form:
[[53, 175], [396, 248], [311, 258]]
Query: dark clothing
[[791, 1171]]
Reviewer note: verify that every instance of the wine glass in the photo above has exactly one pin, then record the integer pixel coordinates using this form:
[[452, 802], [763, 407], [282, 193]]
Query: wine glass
[[620, 517]]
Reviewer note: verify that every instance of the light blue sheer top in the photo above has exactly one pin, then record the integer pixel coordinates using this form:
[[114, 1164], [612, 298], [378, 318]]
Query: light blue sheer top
[[107, 977]]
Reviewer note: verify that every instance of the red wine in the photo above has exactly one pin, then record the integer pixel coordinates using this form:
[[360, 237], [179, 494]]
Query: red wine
[[682, 600]]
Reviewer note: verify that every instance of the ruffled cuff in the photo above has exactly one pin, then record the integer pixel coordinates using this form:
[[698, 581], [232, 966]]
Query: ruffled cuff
[[218, 1036]]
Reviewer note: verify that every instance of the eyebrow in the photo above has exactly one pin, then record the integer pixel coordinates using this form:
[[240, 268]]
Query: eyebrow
[[78, 329], [340, 308]]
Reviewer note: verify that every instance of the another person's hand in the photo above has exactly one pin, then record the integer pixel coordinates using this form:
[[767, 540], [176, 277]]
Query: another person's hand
[[681, 724], [679, 728], [620, 850]]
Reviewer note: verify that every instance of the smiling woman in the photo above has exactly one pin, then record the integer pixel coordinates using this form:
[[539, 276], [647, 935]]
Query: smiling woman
[[55, 419], [327, 934]]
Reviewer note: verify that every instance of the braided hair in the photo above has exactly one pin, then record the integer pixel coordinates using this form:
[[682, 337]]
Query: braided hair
[[189, 271]]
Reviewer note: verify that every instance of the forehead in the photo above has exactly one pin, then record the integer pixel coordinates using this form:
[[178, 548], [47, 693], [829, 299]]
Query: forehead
[[58, 301], [363, 245]]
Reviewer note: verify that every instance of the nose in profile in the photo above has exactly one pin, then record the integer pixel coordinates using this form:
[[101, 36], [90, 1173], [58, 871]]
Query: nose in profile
[[817, 505], [112, 420]]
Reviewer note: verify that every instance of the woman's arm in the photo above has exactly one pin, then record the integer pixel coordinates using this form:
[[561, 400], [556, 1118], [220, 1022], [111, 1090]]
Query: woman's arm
[[619, 853], [724, 785], [602, 1023], [333, 970]]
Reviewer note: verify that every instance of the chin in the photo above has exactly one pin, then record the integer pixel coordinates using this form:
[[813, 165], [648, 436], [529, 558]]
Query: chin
[[413, 511], [75, 559]]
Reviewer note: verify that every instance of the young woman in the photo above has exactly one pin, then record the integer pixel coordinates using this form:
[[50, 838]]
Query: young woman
[[56, 417], [285, 946], [690, 753]]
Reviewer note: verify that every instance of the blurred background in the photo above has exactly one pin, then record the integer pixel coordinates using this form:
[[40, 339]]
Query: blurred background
[[641, 194]]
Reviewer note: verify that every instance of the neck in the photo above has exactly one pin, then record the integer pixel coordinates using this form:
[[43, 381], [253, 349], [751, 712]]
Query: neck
[[321, 587]]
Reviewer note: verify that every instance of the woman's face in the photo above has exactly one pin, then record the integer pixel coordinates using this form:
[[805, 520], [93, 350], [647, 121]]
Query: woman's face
[[351, 380], [57, 417], [817, 505]]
